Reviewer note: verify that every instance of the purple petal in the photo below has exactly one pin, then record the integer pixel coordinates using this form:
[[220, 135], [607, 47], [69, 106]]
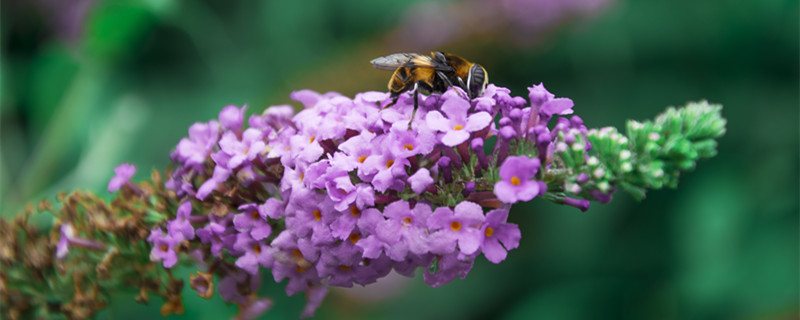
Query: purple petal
[[440, 219], [231, 117], [420, 180], [469, 212], [527, 190], [493, 251], [455, 137], [437, 121], [260, 232], [372, 247], [469, 241], [307, 97], [508, 234], [558, 106], [455, 108], [505, 192], [247, 263], [442, 242], [478, 121]]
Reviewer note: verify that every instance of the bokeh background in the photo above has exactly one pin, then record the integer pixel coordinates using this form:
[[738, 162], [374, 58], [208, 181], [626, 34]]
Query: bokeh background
[[89, 84]]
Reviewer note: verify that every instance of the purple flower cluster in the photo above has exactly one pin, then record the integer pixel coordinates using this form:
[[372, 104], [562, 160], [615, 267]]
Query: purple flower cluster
[[360, 190], [346, 190]]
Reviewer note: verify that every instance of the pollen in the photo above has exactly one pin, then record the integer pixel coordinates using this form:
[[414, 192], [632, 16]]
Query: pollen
[[311, 140], [408, 147], [297, 253], [455, 225], [255, 215], [389, 163], [354, 237], [458, 127], [299, 269], [164, 248], [317, 215], [302, 175], [246, 150], [361, 159], [257, 248], [344, 268], [408, 220], [489, 232], [354, 211], [515, 181]]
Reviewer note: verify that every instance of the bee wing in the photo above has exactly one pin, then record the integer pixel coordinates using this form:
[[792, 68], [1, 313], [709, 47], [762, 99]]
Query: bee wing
[[396, 60], [393, 61]]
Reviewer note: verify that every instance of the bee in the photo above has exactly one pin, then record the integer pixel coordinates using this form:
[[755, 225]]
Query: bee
[[434, 73]]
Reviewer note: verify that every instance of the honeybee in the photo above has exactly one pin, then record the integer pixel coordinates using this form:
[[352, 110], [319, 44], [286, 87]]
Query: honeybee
[[433, 73]]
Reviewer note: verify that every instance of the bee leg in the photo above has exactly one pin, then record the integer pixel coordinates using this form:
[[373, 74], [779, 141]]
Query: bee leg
[[416, 105], [450, 83], [463, 86], [394, 100], [445, 79]]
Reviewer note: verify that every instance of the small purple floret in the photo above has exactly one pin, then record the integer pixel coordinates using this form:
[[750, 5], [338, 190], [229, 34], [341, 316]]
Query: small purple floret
[[122, 176], [515, 179]]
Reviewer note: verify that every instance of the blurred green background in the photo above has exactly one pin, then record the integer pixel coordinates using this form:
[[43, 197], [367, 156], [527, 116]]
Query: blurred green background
[[87, 85]]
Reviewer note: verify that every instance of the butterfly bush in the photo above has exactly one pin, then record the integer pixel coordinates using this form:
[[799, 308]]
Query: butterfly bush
[[347, 190]]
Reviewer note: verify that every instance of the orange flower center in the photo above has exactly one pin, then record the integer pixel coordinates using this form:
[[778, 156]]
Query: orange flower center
[[297, 253], [246, 150], [255, 214], [354, 237], [317, 215], [361, 159], [458, 127], [408, 147], [489, 232], [164, 248], [299, 269], [354, 211], [455, 225], [515, 181], [344, 268], [302, 175], [257, 248], [408, 220], [389, 163], [311, 140]]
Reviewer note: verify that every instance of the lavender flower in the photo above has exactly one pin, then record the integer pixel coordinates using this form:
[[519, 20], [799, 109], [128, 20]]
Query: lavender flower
[[231, 118], [181, 225], [68, 239], [458, 125], [515, 184], [256, 253], [192, 151], [253, 308], [218, 234], [496, 231], [253, 220], [456, 226], [247, 149], [420, 180], [122, 176], [164, 247]]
